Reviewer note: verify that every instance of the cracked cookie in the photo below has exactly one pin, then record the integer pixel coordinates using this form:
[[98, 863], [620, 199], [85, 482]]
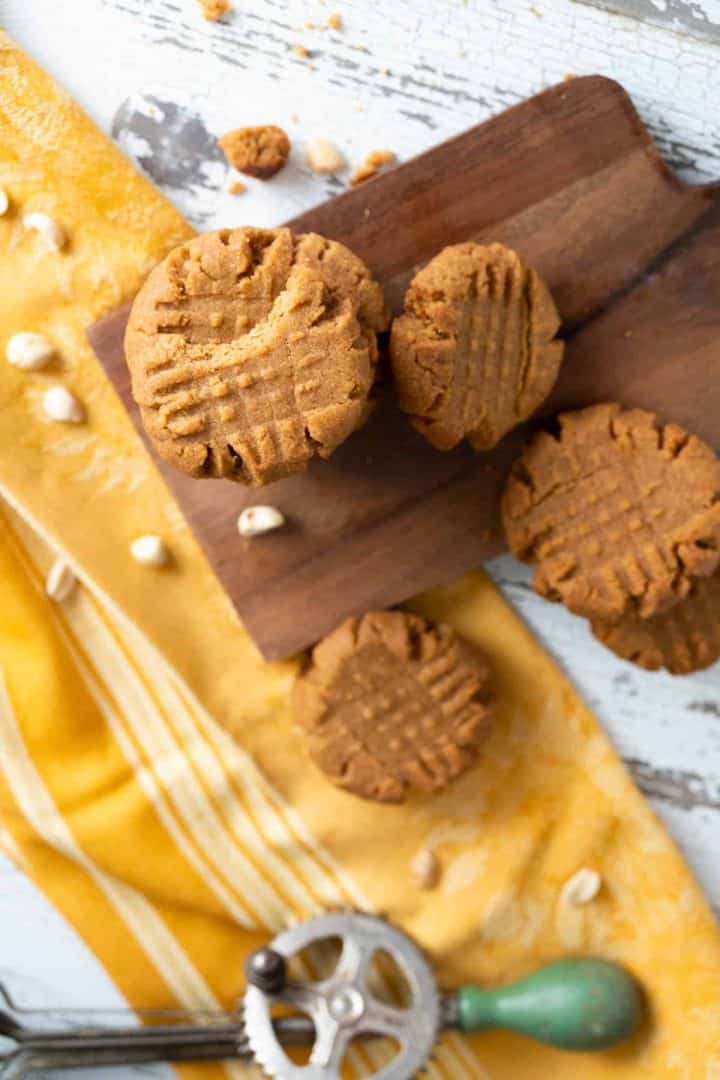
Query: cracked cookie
[[392, 703], [618, 512], [256, 151], [682, 640], [252, 350], [474, 354]]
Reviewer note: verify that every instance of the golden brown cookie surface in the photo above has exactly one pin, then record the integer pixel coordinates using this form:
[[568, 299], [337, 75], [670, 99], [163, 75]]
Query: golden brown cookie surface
[[251, 350], [473, 354], [682, 640], [256, 151], [392, 703], [618, 512]]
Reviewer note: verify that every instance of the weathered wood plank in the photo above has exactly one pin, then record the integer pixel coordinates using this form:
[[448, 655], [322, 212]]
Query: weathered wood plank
[[445, 71], [697, 18]]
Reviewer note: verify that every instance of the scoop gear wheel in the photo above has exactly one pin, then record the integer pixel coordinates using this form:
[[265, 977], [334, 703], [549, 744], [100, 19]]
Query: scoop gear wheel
[[342, 1006]]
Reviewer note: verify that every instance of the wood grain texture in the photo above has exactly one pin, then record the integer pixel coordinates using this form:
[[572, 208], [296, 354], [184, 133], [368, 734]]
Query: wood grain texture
[[388, 516], [670, 318]]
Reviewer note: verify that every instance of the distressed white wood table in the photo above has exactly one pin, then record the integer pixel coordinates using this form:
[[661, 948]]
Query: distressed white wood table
[[401, 76]]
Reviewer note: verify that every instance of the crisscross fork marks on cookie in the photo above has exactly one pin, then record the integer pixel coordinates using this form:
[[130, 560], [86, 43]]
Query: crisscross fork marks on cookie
[[253, 350], [617, 512], [391, 703], [474, 353]]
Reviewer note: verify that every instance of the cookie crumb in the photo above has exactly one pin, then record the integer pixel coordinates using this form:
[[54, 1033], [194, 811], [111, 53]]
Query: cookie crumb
[[378, 158], [569, 76], [300, 50], [581, 888], [52, 232], [62, 406], [149, 551], [425, 868], [60, 581], [335, 22], [29, 351], [257, 151], [257, 520], [4, 201], [385, 71], [294, 118], [309, 25], [237, 188], [324, 157], [215, 9], [375, 160]]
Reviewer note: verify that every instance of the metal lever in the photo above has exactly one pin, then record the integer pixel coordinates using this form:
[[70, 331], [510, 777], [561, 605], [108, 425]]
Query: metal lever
[[36, 1050], [97, 1048]]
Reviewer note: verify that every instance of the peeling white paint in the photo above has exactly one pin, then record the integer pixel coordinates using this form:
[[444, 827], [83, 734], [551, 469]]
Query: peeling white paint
[[694, 18]]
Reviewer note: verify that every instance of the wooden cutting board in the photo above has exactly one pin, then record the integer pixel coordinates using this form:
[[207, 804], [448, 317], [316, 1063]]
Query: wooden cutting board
[[570, 179]]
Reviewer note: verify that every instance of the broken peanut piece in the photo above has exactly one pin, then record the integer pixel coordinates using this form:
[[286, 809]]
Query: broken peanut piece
[[62, 406], [372, 164], [52, 232], [425, 868], [29, 351], [257, 151], [149, 550], [324, 157], [581, 888], [257, 520], [60, 581]]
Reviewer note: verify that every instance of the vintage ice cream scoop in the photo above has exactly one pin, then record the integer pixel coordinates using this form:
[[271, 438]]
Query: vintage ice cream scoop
[[574, 1004]]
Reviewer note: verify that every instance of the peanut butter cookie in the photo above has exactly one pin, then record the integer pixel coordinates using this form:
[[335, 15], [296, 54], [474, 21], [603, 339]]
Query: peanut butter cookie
[[392, 703], [618, 512], [473, 354], [682, 640], [251, 350], [256, 151]]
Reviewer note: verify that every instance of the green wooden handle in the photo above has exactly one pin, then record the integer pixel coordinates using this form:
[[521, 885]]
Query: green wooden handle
[[575, 1004]]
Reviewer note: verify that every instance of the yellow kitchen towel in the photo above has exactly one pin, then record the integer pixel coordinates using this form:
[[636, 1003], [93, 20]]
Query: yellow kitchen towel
[[173, 847]]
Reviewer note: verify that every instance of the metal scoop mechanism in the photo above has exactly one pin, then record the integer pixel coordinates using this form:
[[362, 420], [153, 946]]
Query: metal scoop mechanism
[[574, 1004]]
